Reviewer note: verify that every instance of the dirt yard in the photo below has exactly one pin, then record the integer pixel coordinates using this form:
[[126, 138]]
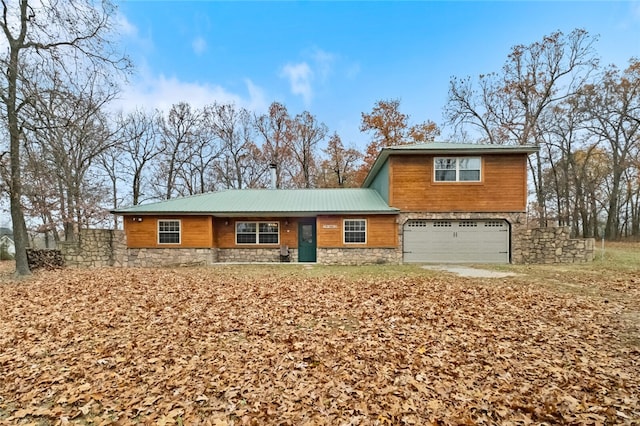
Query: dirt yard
[[296, 345]]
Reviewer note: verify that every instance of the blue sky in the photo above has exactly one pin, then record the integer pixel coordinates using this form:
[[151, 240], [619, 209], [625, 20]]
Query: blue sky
[[336, 59]]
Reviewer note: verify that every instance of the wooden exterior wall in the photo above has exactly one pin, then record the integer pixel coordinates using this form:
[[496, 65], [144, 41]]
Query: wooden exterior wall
[[195, 231], [225, 232], [206, 231], [382, 231], [502, 188]]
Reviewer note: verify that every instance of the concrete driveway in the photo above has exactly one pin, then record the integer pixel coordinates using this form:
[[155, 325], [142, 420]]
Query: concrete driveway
[[466, 271]]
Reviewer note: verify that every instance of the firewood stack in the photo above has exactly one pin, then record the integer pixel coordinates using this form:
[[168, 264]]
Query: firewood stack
[[45, 259]]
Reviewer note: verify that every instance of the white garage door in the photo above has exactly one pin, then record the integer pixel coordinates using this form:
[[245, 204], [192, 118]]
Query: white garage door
[[451, 241]]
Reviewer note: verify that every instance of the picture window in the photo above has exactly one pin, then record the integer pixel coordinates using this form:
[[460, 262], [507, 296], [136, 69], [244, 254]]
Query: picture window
[[257, 233]]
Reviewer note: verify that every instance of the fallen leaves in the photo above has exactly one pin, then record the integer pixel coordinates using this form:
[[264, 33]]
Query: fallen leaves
[[236, 346]]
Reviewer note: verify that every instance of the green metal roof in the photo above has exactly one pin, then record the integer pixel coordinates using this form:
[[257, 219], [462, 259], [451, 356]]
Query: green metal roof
[[444, 148], [463, 147], [271, 202]]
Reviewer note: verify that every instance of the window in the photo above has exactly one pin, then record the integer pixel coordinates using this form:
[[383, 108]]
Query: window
[[468, 224], [494, 224], [355, 231], [257, 233], [442, 224], [268, 233], [417, 223], [457, 169], [168, 232], [246, 232]]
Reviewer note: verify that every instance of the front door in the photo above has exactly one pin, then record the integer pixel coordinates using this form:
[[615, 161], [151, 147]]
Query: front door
[[307, 240]]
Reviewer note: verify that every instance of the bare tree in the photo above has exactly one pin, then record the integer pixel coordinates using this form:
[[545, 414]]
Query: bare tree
[[70, 128], [509, 107], [41, 193], [613, 105], [53, 34], [306, 135], [178, 134], [138, 133], [239, 164], [275, 128], [198, 173]]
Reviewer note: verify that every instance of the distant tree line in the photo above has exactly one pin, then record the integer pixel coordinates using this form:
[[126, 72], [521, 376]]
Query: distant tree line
[[66, 159]]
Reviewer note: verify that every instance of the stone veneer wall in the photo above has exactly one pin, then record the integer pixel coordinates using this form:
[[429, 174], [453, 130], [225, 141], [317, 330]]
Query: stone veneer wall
[[555, 245], [254, 255], [95, 248], [359, 256], [105, 247], [168, 257]]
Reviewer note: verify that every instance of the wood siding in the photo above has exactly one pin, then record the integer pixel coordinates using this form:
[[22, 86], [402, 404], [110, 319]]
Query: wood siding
[[503, 186], [225, 232], [195, 231], [382, 231], [205, 231]]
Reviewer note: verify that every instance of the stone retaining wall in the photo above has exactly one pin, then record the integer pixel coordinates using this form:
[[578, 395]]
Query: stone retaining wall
[[95, 248], [359, 256], [554, 245]]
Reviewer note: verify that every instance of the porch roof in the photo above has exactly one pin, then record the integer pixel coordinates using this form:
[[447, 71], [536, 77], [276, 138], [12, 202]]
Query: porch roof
[[269, 202]]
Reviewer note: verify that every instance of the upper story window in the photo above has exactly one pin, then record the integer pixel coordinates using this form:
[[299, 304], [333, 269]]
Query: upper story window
[[168, 232], [355, 231], [457, 169], [257, 233]]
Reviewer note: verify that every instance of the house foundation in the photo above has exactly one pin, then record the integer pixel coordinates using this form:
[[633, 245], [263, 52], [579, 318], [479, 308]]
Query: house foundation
[[359, 256]]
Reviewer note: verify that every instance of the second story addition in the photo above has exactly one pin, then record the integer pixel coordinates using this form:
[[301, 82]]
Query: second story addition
[[452, 177]]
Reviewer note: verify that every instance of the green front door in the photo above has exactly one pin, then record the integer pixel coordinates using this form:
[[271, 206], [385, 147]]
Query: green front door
[[307, 240]]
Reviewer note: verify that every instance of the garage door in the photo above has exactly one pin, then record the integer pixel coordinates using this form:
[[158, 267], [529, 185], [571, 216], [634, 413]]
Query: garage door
[[450, 241]]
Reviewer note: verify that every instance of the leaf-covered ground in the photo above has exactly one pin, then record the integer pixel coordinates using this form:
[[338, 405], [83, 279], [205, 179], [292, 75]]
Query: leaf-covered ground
[[294, 345]]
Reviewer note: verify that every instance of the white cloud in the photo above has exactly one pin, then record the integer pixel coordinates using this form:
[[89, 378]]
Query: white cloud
[[305, 76], [124, 26], [199, 45], [161, 92], [257, 99], [324, 62], [300, 76], [130, 33]]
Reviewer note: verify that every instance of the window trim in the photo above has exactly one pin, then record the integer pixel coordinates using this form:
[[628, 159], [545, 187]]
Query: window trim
[[257, 232], [457, 170], [169, 232], [344, 230]]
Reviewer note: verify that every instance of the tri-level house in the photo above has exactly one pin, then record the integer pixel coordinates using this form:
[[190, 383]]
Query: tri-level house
[[434, 202]]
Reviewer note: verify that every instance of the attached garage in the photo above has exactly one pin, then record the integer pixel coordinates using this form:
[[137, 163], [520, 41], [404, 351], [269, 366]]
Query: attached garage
[[456, 241]]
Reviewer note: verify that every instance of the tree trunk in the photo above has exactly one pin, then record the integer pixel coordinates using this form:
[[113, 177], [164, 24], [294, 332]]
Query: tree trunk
[[17, 214], [611, 227], [536, 170]]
